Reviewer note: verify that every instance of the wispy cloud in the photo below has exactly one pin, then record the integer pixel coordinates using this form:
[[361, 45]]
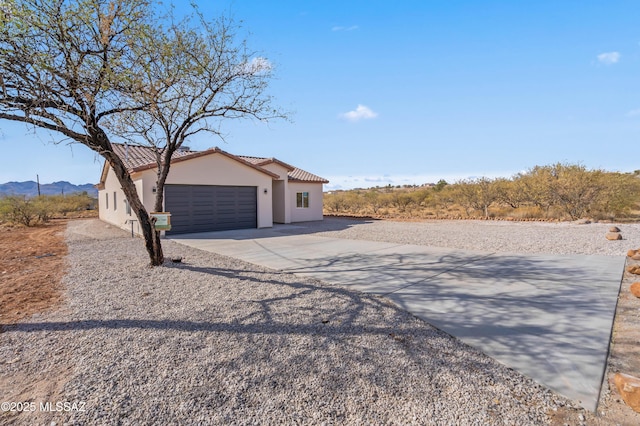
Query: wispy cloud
[[256, 66], [360, 113], [260, 64], [609, 58], [633, 113], [341, 28]]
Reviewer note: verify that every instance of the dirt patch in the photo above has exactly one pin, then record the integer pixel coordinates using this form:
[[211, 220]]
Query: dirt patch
[[32, 264]]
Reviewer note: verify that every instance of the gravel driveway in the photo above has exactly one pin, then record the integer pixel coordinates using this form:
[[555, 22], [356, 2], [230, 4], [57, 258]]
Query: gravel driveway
[[218, 341]]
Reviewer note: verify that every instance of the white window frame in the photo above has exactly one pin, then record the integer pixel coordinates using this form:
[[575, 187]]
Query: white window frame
[[301, 197]]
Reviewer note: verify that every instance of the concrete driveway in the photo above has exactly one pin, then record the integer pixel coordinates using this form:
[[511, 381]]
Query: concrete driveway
[[549, 317]]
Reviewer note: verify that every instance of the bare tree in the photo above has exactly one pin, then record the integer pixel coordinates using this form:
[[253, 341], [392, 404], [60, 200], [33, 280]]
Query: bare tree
[[201, 78], [78, 67]]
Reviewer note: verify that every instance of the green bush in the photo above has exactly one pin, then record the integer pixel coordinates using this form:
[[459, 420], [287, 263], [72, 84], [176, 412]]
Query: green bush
[[18, 210]]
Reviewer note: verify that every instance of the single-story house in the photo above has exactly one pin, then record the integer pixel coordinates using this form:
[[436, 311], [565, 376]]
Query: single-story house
[[212, 190]]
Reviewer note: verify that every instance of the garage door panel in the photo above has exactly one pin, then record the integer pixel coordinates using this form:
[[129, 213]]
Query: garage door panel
[[202, 208]]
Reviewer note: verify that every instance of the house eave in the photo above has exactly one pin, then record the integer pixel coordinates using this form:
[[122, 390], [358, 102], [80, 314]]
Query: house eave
[[202, 154]]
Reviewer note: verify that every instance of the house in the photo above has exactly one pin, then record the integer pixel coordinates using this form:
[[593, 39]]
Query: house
[[212, 190]]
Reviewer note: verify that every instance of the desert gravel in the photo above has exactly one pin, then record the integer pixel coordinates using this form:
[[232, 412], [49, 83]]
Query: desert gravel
[[488, 235], [214, 340]]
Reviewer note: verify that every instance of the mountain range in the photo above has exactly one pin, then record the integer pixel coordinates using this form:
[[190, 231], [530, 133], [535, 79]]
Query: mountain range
[[30, 188]]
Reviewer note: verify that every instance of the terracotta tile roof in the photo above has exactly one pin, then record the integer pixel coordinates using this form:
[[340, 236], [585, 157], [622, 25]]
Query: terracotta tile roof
[[252, 160], [137, 158], [260, 161], [299, 175], [295, 174]]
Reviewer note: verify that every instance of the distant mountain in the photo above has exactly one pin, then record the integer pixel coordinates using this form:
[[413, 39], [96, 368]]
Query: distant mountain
[[30, 188]]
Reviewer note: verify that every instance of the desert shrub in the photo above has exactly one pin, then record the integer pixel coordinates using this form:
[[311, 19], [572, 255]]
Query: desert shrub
[[619, 196], [353, 201], [558, 191], [45, 208], [401, 200], [376, 201], [73, 203], [30, 211], [18, 210], [333, 202], [478, 194]]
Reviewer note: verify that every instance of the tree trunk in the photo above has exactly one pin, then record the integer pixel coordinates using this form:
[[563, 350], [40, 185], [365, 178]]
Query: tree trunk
[[163, 172], [151, 236]]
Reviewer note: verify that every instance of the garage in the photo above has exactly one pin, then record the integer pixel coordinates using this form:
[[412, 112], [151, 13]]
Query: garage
[[204, 208]]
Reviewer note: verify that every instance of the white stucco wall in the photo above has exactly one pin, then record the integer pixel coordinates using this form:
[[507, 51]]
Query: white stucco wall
[[314, 212], [281, 200], [114, 213], [117, 214]]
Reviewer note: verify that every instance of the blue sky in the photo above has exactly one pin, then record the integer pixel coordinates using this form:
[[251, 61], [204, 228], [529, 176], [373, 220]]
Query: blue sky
[[411, 92]]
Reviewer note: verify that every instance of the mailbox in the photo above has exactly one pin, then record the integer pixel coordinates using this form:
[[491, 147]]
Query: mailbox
[[163, 220]]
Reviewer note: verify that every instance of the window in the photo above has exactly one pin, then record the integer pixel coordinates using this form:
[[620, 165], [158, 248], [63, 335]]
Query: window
[[115, 202], [302, 200], [127, 206], [106, 200]]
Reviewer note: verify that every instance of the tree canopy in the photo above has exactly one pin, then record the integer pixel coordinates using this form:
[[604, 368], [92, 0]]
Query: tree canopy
[[90, 71]]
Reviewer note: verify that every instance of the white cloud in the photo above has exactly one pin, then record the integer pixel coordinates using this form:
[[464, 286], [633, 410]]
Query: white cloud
[[633, 113], [257, 65], [340, 28], [360, 113], [609, 58]]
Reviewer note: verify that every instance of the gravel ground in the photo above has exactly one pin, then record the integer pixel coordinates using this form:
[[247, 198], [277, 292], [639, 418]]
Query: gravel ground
[[214, 340], [488, 236]]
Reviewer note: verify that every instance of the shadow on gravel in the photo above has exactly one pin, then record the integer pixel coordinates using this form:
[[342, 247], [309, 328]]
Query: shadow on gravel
[[256, 328]]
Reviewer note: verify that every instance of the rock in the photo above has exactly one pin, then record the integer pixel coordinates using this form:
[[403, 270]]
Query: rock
[[612, 236], [635, 289], [629, 388], [634, 269], [632, 252], [614, 229], [582, 222], [636, 256]]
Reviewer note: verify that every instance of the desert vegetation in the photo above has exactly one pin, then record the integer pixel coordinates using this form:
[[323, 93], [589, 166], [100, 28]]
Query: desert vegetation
[[22, 210], [554, 192]]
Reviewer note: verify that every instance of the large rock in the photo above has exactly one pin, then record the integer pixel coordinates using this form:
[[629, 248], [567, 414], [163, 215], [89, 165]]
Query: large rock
[[629, 388], [613, 236], [632, 252], [614, 229], [634, 269], [635, 289]]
